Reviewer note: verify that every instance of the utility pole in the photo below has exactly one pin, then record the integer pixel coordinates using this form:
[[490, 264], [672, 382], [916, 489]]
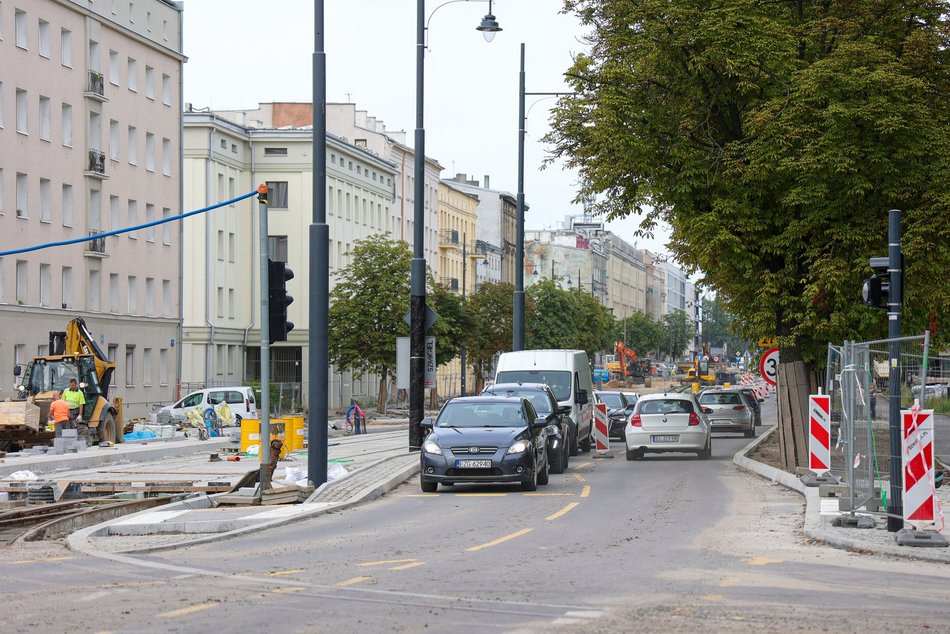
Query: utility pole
[[518, 318], [464, 280], [265, 468]]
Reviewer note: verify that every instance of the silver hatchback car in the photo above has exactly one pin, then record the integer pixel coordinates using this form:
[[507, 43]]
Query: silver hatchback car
[[669, 422], [728, 410]]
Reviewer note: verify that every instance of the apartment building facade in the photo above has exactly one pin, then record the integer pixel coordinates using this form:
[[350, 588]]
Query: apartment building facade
[[222, 323], [90, 113], [497, 226]]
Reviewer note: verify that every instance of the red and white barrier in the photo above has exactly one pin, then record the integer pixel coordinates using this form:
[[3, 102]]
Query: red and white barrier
[[601, 428], [819, 433], [919, 493]]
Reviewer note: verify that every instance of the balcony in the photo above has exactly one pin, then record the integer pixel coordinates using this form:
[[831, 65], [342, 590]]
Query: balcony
[[449, 238], [96, 86], [451, 283], [96, 248], [96, 167]]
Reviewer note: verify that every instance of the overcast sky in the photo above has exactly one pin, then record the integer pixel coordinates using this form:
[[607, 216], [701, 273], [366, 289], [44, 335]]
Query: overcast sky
[[242, 52]]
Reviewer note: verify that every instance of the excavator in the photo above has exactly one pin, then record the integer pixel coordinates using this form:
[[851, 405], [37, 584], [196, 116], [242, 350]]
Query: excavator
[[624, 366], [700, 372], [74, 354]]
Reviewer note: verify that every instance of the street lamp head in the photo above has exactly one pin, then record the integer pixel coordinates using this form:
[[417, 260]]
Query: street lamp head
[[489, 26]]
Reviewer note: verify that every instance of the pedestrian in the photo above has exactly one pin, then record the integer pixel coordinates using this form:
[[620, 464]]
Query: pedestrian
[[75, 398], [874, 393], [59, 413]]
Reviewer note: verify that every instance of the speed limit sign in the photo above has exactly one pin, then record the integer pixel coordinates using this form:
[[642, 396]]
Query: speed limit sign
[[768, 366]]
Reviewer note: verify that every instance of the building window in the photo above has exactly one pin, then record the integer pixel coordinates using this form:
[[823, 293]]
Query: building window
[[277, 194], [1, 203], [166, 90], [150, 217], [93, 301], [44, 39], [114, 292], [133, 143], [133, 218], [231, 190], [67, 112], [277, 248], [1, 104], [22, 119], [163, 367], [231, 247], [114, 140], [114, 68], [231, 355], [133, 81], [147, 367], [46, 201], [149, 296], [231, 304], [93, 55], [67, 205], [67, 286], [129, 366], [275, 151], [45, 116], [167, 158], [22, 279], [66, 47], [113, 212], [166, 226], [95, 131], [45, 281], [133, 305], [220, 301], [221, 188], [113, 351], [22, 196], [220, 248], [166, 298], [150, 83], [149, 151], [19, 23]]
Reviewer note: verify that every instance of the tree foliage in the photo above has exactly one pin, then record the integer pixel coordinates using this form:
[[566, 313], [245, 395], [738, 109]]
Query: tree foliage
[[570, 319], [489, 331], [678, 332], [773, 137], [718, 326], [453, 323], [640, 332]]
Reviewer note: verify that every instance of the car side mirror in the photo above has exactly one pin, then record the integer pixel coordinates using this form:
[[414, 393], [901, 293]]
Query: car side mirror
[[427, 422], [582, 397], [564, 409], [17, 370], [539, 423]]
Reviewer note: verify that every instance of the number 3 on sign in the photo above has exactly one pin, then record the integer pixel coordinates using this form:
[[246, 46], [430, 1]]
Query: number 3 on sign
[[768, 366]]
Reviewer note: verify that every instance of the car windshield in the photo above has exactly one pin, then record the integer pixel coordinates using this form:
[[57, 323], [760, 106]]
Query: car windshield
[[540, 400], [631, 398], [558, 380], [720, 398], [613, 400], [665, 406], [480, 414]]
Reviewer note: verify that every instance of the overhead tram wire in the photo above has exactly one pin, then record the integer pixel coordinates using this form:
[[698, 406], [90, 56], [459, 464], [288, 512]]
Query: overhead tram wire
[[115, 232]]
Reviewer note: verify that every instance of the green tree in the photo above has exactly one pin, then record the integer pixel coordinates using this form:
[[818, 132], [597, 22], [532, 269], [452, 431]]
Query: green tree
[[490, 312], [773, 137], [678, 332], [366, 309], [449, 330], [640, 332], [568, 319], [718, 327]]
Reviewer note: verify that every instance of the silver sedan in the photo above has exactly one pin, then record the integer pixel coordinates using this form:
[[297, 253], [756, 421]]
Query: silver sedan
[[669, 422], [728, 411]]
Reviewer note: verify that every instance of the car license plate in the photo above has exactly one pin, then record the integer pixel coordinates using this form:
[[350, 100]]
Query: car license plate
[[668, 438], [721, 421], [473, 464]]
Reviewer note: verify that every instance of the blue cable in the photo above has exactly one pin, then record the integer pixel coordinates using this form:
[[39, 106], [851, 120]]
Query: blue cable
[[116, 232]]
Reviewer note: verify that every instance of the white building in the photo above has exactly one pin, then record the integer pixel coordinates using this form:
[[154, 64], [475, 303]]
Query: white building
[[681, 295], [496, 228], [90, 114], [221, 323]]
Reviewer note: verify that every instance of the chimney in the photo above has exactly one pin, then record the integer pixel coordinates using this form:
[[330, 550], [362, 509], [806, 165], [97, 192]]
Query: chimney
[[487, 186], [460, 177]]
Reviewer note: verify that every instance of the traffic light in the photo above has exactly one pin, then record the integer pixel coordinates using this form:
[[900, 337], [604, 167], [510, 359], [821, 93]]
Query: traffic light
[[877, 288], [278, 300]]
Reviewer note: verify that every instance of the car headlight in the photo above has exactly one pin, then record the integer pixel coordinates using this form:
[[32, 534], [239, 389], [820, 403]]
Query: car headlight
[[430, 446], [520, 446]]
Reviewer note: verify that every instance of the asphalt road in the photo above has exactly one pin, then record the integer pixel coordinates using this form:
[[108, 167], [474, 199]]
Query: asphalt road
[[666, 544]]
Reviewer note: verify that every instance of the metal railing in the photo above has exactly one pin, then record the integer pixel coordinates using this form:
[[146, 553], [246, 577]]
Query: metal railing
[[97, 161], [97, 84], [451, 283], [96, 245], [449, 236]]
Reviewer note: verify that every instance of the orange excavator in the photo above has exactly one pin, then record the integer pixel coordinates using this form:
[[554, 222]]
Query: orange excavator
[[624, 366]]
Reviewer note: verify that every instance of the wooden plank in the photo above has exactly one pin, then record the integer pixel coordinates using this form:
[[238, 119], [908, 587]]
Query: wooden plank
[[786, 437], [153, 489]]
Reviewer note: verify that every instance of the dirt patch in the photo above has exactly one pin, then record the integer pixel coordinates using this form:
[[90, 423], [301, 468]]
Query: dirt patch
[[769, 452]]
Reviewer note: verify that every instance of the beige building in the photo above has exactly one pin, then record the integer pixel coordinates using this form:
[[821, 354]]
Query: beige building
[[224, 160], [90, 114]]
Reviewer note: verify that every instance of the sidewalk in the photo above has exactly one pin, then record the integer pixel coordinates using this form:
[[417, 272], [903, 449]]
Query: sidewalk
[[384, 463]]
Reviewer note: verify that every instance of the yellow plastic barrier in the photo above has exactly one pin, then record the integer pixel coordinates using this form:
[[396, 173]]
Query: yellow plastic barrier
[[295, 432], [251, 434]]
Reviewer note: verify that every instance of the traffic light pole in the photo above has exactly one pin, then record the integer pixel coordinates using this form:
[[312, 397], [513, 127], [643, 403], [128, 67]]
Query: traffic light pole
[[895, 507], [265, 473]]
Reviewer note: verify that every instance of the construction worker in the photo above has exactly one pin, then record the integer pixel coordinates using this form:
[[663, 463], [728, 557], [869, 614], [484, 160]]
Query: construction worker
[[75, 398], [59, 413]]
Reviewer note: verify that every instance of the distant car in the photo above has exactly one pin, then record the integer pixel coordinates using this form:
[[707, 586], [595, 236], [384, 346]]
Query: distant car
[[485, 439], [668, 422], [754, 402], [728, 411], [545, 404], [618, 410], [240, 399]]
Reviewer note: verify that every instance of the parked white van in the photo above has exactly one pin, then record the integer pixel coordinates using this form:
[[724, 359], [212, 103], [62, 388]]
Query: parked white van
[[240, 399], [568, 374]]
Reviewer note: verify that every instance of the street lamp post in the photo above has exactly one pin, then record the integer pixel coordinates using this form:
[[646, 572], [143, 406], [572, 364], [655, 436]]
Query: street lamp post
[[417, 304]]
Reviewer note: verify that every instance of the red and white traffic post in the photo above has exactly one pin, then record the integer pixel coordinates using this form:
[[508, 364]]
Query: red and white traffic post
[[819, 433], [601, 431], [921, 507]]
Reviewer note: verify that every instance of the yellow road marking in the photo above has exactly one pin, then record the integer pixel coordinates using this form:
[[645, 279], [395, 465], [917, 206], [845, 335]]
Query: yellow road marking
[[713, 597], [480, 495], [352, 582], [540, 495], [414, 564], [579, 477], [583, 465], [566, 509], [41, 561], [188, 610], [423, 495], [278, 573], [287, 590], [586, 491], [500, 540], [761, 561], [386, 561]]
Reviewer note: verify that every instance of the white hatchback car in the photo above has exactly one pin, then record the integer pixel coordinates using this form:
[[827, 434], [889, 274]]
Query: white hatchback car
[[669, 422], [240, 399]]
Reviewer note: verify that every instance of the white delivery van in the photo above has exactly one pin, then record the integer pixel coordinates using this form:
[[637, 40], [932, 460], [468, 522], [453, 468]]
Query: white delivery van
[[568, 374]]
